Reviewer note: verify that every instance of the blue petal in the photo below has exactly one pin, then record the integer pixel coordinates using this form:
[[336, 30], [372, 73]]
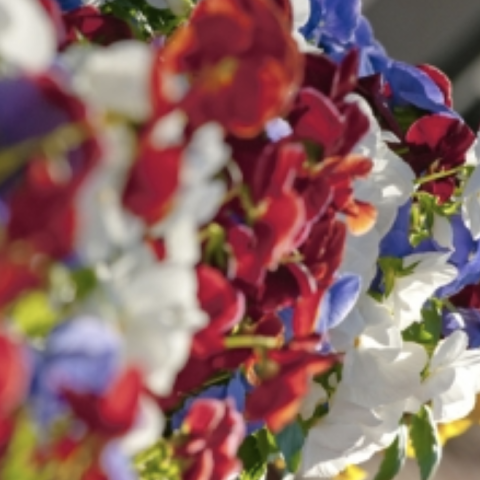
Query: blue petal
[[412, 86], [67, 5], [339, 300], [286, 316]]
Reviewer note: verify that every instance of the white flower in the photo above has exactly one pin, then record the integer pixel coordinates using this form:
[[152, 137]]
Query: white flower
[[367, 312], [391, 181], [349, 434], [380, 371], [442, 231], [410, 292], [452, 381], [471, 203], [159, 312], [387, 187], [146, 430], [301, 12], [199, 195], [114, 78], [104, 227], [316, 395], [27, 36]]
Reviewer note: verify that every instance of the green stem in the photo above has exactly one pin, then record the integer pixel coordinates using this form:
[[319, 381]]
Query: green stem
[[251, 341], [438, 175]]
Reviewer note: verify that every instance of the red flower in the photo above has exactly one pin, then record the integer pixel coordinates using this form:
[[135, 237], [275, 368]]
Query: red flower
[[214, 431], [240, 83], [278, 217], [468, 297], [112, 413], [279, 396], [153, 180], [96, 27], [225, 307], [13, 386], [438, 143], [441, 80]]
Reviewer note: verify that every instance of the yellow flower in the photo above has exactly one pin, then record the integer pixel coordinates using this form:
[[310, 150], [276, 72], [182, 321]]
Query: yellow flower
[[352, 473]]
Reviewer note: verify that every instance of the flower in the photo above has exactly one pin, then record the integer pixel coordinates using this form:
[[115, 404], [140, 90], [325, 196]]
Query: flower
[[241, 83], [28, 38], [213, 432], [410, 292], [450, 380]]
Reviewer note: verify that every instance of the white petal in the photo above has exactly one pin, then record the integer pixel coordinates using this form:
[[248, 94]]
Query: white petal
[[146, 430], [27, 36], [301, 12], [457, 401], [471, 214], [116, 78], [449, 350], [442, 231]]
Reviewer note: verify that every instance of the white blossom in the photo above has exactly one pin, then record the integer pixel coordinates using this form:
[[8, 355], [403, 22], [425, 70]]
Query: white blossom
[[114, 78], [451, 383], [410, 292], [27, 36]]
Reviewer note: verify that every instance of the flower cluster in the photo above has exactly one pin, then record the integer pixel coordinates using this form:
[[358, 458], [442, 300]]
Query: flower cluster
[[237, 240]]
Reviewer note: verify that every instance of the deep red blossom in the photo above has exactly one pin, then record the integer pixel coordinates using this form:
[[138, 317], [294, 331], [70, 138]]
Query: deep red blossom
[[261, 247], [468, 297], [240, 83], [214, 431], [438, 143], [14, 380], [441, 80], [278, 397], [321, 114], [89, 23], [112, 413], [153, 180], [225, 306]]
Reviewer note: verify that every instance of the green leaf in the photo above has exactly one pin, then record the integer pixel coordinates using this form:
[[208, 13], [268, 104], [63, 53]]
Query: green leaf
[[290, 442], [85, 282], [427, 332], [406, 116], [392, 268], [425, 441], [395, 456], [254, 462]]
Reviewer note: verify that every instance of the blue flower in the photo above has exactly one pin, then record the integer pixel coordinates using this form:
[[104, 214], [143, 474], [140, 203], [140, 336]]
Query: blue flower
[[466, 319], [338, 301], [465, 257], [81, 355], [286, 316], [412, 86], [332, 20], [67, 5]]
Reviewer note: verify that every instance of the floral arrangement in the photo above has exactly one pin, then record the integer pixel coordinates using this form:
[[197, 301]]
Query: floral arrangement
[[238, 240]]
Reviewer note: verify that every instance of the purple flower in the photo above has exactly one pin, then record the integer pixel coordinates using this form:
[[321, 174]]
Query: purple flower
[[82, 355], [115, 464]]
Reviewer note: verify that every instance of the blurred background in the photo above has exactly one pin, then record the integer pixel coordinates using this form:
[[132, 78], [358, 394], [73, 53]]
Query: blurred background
[[444, 33]]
